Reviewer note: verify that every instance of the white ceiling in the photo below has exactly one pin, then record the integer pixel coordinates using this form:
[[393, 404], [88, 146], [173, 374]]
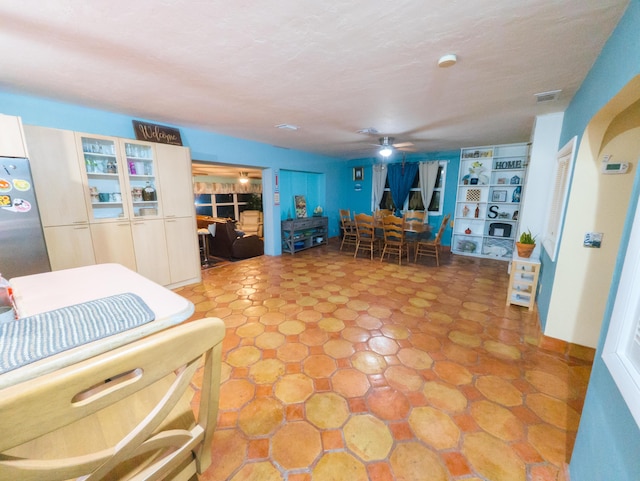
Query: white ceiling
[[330, 67]]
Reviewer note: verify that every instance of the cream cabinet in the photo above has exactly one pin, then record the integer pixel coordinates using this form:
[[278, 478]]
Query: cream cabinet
[[175, 181], [112, 242], [150, 246], [69, 246], [63, 212], [55, 170], [91, 192], [12, 143], [184, 253]]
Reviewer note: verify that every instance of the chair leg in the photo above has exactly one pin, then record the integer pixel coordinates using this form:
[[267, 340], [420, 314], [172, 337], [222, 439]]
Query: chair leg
[[355, 254]]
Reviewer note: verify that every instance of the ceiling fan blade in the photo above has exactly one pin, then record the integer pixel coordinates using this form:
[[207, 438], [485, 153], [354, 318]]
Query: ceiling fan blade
[[403, 144]]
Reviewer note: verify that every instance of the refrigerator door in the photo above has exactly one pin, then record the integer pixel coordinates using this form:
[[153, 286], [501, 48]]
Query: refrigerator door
[[22, 247]]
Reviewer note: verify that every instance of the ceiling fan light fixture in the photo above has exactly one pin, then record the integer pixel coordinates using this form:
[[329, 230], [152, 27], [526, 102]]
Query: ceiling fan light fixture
[[447, 60], [386, 151], [244, 178]]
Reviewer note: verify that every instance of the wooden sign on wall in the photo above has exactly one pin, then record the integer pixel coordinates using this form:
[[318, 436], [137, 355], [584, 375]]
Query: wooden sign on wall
[[156, 133]]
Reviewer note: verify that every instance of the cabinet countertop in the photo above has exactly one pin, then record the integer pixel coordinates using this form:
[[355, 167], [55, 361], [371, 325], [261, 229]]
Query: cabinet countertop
[[40, 293]]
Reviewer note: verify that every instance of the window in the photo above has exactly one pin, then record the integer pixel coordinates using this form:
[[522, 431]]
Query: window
[[564, 165], [226, 205], [414, 200], [621, 351]]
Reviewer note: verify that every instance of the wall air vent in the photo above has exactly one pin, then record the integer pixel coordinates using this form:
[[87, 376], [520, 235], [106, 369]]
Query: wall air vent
[[550, 96]]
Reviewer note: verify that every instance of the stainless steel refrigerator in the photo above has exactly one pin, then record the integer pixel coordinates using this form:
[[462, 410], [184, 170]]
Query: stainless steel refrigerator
[[22, 247]]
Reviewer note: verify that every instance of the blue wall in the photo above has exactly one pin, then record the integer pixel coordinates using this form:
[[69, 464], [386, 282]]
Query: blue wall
[[360, 201], [608, 441]]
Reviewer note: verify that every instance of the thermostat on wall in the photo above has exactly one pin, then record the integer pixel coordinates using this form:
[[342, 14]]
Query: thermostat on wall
[[615, 167]]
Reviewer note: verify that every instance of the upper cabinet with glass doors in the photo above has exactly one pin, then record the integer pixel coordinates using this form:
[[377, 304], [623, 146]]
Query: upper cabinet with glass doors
[[141, 178], [121, 178]]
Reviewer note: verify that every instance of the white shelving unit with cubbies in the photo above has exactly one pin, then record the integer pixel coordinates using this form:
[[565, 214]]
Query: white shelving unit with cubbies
[[490, 190]]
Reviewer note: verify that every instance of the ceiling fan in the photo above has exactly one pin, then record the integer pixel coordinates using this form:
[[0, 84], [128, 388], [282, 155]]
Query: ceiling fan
[[387, 146]]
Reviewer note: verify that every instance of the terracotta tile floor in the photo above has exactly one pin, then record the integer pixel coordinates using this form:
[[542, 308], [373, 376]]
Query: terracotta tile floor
[[340, 369]]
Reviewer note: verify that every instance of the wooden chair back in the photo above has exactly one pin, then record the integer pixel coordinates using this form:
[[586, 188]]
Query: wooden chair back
[[365, 234], [381, 214], [394, 237], [124, 414], [348, 226], [431, 248], [414, 220], [443, 226]]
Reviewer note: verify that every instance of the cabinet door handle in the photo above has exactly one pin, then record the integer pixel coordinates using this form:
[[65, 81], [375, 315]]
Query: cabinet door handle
[[123, 225], [81, 227], [171, 220], [79, 222], [170, 215]]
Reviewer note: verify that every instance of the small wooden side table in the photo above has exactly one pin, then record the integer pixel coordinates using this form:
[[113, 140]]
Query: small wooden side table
[[523, 281]]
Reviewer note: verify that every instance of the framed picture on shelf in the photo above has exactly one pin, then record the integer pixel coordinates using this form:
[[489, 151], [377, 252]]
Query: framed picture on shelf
[[301, 206], [358, 173], [499, 196]]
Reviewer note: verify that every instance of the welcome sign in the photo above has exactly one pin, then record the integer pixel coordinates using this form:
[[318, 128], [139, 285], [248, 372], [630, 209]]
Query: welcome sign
[[156, 133]]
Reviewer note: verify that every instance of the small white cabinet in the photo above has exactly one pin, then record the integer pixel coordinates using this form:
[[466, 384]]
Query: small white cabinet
[[523, 281], [150, 246], [112, 242]]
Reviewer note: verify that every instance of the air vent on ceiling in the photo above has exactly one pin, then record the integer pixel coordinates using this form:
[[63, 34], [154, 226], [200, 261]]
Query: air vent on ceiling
[[550, 96], [287, 127]]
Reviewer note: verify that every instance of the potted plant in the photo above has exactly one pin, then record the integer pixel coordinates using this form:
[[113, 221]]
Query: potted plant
[[526, 244]]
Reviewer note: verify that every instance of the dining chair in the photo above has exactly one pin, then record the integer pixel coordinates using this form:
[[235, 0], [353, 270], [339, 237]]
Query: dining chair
[[431, 248], [348, 226], [415, 228], [121, 415], [365, 234], [381, 214], [394, 238]]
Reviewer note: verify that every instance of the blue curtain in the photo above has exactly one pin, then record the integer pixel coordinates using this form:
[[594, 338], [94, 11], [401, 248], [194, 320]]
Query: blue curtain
[[401, 177]]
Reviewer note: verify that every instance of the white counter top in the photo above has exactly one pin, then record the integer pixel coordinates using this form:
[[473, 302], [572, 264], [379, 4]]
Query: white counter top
[[53, 290]]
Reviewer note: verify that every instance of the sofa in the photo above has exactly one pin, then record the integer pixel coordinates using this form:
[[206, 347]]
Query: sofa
[[229, 244]]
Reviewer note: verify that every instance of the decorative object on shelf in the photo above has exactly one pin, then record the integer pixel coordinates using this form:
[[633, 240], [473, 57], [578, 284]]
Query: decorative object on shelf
[[317, 212], [475, 170], [515, 180], [526, 244], [515, 197], [358, 174], [465, 211], [149, 192], [467, 246], [515, 215], [473, 195], [301, 206], [502, 180], [476, 214], [500, 229], [112, 168], [499, 196], [467, 231]]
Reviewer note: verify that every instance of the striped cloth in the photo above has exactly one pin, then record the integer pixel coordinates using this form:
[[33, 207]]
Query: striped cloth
[[29, 339]]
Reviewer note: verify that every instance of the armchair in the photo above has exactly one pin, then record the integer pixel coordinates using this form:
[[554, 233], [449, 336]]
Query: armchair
[[251, 222], [226, 242]]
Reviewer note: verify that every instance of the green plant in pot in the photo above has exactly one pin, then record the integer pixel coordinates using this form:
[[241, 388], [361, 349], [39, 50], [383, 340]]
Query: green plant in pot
[[526, 244]]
